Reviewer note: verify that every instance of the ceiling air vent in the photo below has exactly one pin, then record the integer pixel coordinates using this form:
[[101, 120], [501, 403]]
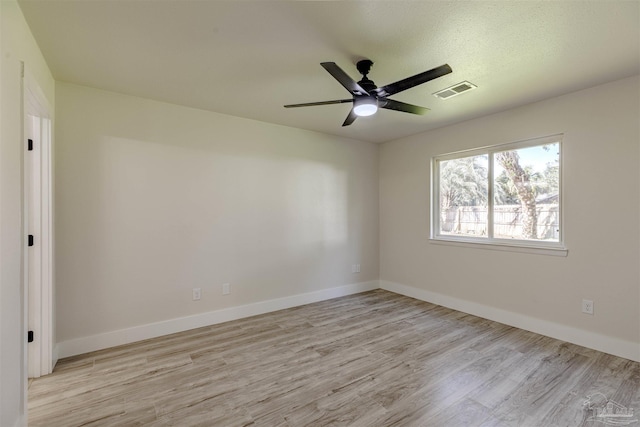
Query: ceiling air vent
[[454, 90]]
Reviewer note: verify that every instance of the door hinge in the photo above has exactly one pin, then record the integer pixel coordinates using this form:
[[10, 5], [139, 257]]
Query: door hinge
[[29, 144], [30, 240], [30, 336]]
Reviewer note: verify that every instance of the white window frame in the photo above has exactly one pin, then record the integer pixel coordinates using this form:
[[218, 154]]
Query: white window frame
[[489, 242]]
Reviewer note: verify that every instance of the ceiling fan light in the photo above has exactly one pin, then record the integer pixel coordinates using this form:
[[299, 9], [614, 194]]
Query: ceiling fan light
[[365, 106]]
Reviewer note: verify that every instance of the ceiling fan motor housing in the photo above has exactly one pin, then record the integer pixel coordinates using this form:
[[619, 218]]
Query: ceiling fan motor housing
[[367, 85]]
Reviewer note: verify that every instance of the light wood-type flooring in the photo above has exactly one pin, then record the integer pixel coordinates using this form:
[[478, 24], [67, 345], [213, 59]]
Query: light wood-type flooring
[[371, 359]]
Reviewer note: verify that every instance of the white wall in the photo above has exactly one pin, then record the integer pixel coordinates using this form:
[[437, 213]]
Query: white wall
[[543, 293], [18, 46], [154, 199]]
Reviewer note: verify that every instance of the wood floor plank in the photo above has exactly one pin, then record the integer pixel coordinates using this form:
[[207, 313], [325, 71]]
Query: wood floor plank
[[466, 412], [366, 360]]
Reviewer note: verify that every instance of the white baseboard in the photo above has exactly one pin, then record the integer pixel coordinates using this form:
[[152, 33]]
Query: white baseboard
[[616, 346], [138, 333], [21, 422], [55, 355]]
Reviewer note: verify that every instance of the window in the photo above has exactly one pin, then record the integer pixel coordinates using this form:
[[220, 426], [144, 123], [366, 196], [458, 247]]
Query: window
[[507, 195]]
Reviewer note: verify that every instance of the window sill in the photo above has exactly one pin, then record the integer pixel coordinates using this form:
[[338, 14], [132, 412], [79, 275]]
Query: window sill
[[502, 246]]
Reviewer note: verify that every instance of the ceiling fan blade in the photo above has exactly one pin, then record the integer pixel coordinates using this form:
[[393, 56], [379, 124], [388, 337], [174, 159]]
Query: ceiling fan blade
[[311, 104], [412, 81], [343, 78], [350, 118], [390, 104]]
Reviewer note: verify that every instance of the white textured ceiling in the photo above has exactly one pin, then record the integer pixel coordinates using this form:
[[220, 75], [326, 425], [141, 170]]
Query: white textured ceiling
[[249, 58]]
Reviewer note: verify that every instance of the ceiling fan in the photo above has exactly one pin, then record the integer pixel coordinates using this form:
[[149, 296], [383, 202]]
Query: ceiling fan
[[367, 97]]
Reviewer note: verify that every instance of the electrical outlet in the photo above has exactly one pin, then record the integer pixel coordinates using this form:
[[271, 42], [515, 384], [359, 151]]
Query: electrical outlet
[[355, 268], [197, 293], [226, 289], [587, 306]]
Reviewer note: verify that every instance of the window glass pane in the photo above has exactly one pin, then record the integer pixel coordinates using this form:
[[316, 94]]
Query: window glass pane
[[463, 196], [526, 193]]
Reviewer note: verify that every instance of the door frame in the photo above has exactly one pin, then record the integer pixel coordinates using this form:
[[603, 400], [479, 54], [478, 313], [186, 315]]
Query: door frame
[[38, 263]]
